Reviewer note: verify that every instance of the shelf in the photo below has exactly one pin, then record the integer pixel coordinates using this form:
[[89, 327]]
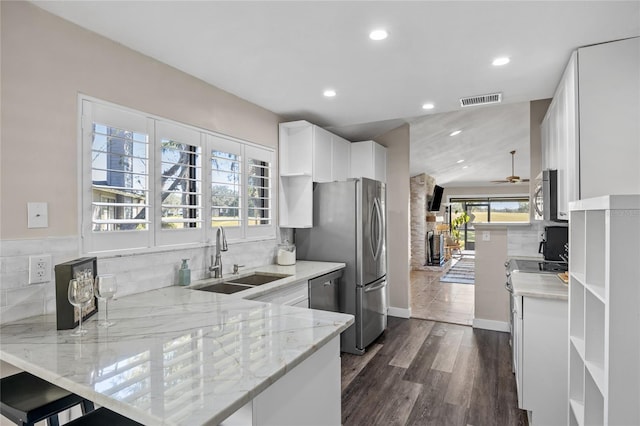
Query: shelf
[[576, 374], [597, 374], [576, 310], [579, 276], [577, 409], [290, 175], [593, 403], [577, 242], [597, 291], [578, 344], [594, 331], [595, 243]]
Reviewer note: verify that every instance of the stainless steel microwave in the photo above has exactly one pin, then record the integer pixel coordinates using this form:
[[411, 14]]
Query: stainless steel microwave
[[545, 197]]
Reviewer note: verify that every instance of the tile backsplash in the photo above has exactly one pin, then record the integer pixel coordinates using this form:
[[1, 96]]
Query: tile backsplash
[[525, 240], [135, 272]]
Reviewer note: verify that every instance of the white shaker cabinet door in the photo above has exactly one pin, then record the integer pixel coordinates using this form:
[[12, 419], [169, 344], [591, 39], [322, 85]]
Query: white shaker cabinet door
[[322, 157]]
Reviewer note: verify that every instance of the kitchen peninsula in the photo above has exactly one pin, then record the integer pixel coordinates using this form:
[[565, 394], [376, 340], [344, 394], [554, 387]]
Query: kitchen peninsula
[[179, 356]]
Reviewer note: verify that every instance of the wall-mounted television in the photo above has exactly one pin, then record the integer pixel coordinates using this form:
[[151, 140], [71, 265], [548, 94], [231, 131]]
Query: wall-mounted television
[[436, 199]]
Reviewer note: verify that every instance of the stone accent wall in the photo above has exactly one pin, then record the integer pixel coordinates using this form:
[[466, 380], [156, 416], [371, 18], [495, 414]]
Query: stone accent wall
[[420, 186]]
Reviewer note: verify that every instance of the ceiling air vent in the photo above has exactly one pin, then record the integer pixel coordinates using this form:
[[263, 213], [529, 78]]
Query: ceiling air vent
[[492, 98]]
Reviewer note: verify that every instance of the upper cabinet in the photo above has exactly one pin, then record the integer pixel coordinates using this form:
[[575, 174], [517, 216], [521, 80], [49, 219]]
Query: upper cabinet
[[591, 131], [609, 118], [369, 160], [308, 154], [560, 138]]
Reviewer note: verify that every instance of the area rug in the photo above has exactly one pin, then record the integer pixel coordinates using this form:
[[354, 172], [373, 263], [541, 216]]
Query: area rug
[[463, 272]]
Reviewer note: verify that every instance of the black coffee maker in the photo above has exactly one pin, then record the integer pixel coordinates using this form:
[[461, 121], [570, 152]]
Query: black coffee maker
[[552, 247]]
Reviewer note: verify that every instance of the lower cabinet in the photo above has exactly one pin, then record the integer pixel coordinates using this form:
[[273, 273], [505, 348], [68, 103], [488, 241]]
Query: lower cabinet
[[540, 353], [309, 394], [294, 295]]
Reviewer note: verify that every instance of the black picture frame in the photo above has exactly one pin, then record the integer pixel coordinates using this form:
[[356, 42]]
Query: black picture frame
[[66, 316]]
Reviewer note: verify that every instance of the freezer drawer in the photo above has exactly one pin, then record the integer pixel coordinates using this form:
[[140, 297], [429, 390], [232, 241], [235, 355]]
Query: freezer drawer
[[324, 292], [373, 311]]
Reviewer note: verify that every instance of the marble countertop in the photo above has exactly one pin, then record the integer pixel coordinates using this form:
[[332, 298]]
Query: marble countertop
[[175, 356], [302, 270], [547, 286]]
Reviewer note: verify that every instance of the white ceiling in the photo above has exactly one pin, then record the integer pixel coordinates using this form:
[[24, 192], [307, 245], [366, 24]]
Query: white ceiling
[[282, 55], [488, 135]]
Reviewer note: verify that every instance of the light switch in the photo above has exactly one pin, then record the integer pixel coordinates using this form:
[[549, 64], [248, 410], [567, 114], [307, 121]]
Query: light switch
[[37, 215], [486, 235]]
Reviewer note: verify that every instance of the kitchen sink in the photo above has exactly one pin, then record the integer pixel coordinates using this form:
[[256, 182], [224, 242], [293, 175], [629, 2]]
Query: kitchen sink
[[224, 288], [258, 278]]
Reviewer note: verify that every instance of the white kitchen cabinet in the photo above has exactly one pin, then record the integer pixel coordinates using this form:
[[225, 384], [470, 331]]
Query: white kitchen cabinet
[[591, 131], [322, 155], [309, 394], [559, 138], [341, 158], [294, 295], [604, 344], [308, 154], [540, 357], [369, 160]]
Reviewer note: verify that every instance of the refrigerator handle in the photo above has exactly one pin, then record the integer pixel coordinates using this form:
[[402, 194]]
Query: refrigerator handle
[[377, 287], [376, 222]]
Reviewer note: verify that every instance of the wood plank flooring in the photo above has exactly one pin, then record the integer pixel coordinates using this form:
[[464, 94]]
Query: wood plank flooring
[[422, 372]]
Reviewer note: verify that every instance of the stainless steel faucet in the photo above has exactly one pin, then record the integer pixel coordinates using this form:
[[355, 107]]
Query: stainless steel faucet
[[221, 245]]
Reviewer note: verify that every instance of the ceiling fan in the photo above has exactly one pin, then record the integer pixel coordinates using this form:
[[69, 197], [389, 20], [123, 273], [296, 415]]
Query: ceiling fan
[[513, 178]]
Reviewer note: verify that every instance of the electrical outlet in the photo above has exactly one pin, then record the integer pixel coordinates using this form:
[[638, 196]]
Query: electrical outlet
[[39, 269]]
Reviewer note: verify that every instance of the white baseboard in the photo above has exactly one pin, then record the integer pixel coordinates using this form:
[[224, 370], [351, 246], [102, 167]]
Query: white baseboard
[[491, 325], [399, 312]]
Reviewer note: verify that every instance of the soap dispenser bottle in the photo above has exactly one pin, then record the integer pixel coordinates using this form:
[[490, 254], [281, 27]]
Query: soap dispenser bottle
[[184, 273]]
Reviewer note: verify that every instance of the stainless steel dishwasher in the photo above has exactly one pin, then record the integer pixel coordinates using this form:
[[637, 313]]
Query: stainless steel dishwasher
[[324, 292]]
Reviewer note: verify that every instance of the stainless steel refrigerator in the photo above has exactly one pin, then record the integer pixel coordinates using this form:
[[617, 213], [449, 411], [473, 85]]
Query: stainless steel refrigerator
[[349, 226]]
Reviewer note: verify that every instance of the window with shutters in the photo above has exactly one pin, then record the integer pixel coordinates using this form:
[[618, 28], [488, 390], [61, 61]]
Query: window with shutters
[[150, 182]]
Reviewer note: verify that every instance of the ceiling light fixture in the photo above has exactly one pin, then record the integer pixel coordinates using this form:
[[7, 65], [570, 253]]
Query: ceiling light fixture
[[428, 106], [329, 93], [498, 62], [455, 132], [378, 35], [465, 167], [460, 161]]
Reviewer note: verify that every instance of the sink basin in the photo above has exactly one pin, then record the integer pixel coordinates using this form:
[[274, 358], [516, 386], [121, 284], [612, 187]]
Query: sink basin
[[258, 278], [224, 288]]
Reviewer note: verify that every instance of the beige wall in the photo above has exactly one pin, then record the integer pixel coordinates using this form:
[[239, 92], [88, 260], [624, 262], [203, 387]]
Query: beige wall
[[46, 63], [397, 143], [491, 298]]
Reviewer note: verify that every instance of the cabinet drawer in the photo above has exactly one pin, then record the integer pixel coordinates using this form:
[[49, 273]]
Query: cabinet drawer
[[291, 295]]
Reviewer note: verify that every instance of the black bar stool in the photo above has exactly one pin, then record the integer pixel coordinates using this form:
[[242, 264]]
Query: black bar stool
[[103, 417], [27, 399]]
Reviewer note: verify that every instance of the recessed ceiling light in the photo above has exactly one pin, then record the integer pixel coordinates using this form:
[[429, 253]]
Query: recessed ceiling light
[[498, 62], [329, 93], [378, 35], [456, 132], [428, 106], [460, 161], [465, 167]]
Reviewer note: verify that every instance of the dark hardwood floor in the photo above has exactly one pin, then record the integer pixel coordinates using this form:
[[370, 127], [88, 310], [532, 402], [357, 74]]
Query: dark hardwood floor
[[422, 372]]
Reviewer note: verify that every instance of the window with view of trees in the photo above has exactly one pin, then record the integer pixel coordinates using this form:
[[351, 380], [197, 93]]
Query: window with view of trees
[[119, 179], [259, 192], [225, 189], [151, 182], [181, 185]]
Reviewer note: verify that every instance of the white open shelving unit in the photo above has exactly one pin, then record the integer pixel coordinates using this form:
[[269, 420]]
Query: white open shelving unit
[[604, 303]]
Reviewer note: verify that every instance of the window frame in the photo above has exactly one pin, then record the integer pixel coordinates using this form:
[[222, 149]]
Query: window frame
[[158, 128]]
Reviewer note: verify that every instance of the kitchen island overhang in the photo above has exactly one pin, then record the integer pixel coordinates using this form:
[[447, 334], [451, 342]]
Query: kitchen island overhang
[[177, 356]]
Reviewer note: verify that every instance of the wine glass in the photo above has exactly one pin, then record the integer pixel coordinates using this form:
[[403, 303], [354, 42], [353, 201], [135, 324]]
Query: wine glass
[[106, 287], [80, 294]]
